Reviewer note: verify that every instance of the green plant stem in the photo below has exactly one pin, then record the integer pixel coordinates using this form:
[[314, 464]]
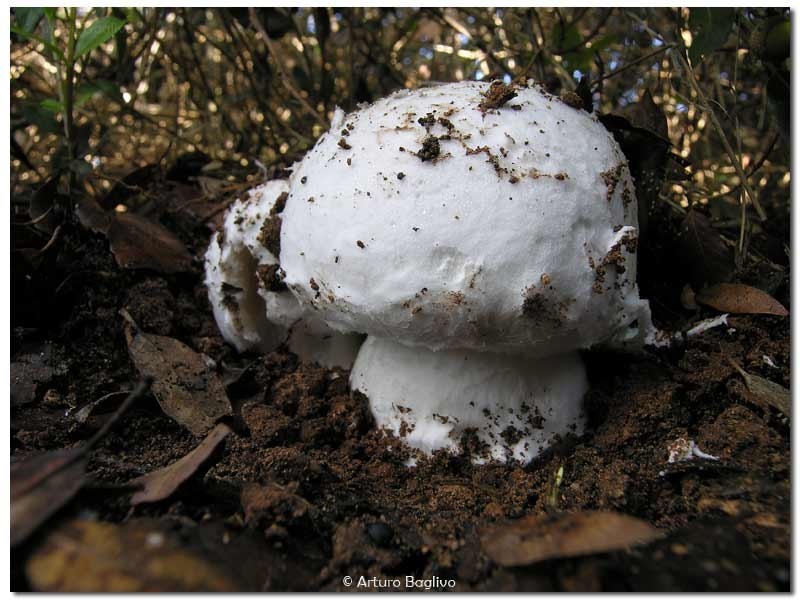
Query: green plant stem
[[68, 92]]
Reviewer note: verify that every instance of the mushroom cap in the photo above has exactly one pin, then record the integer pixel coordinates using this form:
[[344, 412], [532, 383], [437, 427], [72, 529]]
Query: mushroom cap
[[433, 220]]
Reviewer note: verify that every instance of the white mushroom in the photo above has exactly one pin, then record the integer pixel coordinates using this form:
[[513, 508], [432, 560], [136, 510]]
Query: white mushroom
[[460, 227], [244, 287]]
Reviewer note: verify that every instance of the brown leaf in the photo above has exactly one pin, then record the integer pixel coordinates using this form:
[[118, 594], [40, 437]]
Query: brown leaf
[[139, 556], [769, 392], [542, 537], [92, 216], [136, 242], [701, 252], [190, 201], [160, 484], [131, 185], [40, 486], [740, 298], [184, 385], [141, 244], [42, 203]]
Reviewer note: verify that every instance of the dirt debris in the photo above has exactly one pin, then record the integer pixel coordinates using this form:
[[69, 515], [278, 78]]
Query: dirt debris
[[497, 95], [430, 149], [270, 235]]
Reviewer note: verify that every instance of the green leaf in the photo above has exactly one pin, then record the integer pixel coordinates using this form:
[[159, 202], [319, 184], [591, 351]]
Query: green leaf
[[84, 94], [132, 15], [34, 114], [28, 18], [569, 39], [710, 28], [27, 35], [80, 167], [102, 86], [51, 105], [603, 42], [97, 33], [583, 58], [108, 88]]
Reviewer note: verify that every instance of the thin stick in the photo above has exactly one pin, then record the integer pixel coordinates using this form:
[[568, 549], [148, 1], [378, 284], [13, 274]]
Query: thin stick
[[38, 219], [281, 74], [751, 170], [140, 390], [51, 242], [703, 103], [633, 63]]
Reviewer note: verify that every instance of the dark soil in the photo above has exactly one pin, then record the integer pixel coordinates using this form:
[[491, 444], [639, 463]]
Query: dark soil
[[325, 494]]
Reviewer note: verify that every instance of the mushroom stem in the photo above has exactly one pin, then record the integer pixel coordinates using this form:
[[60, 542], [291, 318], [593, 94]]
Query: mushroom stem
[[497, 407]]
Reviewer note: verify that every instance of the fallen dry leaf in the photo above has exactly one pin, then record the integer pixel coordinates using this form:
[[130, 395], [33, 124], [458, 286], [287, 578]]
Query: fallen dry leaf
[[160, 484], [139, 556], [740, 298], [141, 244], [131, 185], [42, 203], [773, 394], [183, 383], [42, 484], [192, 202], [84, 412], [136, 242], [92, 216], [648, 115], [543, 537]]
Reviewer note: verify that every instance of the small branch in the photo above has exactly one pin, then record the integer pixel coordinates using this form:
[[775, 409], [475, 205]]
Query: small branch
[[633, 63], [69, 91], [51, 242], [281, 74], [140, 390], [703, 104], [38, 219]]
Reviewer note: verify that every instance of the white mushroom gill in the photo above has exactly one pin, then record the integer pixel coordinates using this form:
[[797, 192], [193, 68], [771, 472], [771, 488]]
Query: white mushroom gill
[[468, 221], [231, 274], [250, 309]]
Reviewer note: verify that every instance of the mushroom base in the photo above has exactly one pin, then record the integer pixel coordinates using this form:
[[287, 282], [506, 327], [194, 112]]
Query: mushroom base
[[496, 407]]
